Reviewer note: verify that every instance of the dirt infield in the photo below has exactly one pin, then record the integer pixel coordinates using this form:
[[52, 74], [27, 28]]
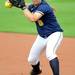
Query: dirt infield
[[14, 50]]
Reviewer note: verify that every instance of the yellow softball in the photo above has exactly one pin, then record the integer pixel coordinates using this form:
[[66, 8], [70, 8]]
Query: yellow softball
[[8, 4]]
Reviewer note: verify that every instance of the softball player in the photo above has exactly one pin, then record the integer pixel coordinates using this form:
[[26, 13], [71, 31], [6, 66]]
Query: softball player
[[49, 35]]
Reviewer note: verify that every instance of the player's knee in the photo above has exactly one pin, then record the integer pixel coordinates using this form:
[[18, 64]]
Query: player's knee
[[32, 60], [51, 56]]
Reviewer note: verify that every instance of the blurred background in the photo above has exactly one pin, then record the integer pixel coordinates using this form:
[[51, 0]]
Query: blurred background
[[13, 20]]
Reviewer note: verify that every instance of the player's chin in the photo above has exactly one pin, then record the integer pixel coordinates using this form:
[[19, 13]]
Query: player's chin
[[36, 2]]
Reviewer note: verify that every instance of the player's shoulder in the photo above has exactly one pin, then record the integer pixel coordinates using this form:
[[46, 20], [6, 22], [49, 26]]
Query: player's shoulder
[[44, 4], [31, 6]]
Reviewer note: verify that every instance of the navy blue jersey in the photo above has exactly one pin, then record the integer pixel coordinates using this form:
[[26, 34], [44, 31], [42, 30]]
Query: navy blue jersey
[[47, 24]]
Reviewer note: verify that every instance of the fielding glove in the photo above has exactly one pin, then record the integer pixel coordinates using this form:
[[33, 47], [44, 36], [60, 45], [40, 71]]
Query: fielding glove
[[18, 3]]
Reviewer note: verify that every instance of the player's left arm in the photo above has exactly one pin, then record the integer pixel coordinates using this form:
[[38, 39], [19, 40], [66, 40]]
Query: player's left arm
[[21, 4], [32, 16]]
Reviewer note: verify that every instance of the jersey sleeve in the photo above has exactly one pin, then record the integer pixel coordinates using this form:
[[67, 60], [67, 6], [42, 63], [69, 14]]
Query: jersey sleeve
[[44, 8], [29, 7]]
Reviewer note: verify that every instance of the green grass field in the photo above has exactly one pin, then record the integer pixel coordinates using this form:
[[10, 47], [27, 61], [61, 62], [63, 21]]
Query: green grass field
[[13, 20]]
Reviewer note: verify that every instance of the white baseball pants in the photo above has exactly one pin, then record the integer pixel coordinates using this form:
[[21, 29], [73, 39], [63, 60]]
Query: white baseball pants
[[51, 43]]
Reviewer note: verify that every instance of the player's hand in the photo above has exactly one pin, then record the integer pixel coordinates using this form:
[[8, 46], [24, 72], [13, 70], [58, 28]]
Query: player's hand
[[18, 3]]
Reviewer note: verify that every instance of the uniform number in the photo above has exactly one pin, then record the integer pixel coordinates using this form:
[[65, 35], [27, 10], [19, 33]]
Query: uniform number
[[40, 22]]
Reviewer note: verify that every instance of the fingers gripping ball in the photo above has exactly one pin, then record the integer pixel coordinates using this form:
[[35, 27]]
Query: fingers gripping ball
[[8, 4]]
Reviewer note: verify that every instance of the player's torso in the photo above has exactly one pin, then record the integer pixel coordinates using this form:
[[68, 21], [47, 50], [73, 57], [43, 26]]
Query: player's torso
[[47, 24]]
